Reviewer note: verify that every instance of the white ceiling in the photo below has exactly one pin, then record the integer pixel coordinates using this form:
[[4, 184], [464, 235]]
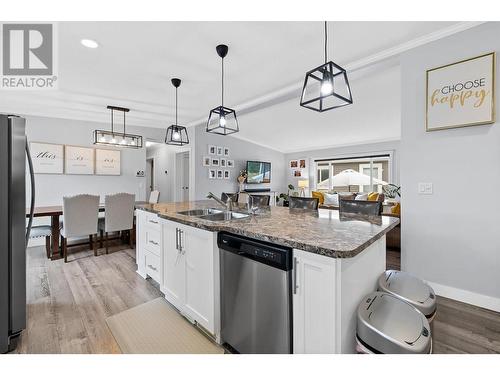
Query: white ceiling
[[267, 60]]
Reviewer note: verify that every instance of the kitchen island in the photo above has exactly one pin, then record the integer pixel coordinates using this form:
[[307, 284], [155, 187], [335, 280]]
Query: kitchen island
[[337, 260]]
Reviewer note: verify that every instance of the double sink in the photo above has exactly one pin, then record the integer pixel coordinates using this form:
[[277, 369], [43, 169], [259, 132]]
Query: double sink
[[214, 214]]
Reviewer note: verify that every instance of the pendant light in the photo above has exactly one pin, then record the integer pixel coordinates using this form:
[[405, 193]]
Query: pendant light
[[326, 87], [176, 135], [118, 139], [222, 120]]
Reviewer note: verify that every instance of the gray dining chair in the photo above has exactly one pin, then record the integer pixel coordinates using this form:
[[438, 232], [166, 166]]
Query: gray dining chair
[[260, 200], [370, 208], [40, 231], [119, 216], [80, 217], [154, 197], [303, 203]]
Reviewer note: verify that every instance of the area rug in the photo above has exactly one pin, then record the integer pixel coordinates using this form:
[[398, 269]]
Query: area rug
[[156, 328]]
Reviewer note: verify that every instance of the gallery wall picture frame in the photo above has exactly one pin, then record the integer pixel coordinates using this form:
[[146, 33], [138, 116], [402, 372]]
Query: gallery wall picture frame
[[226, 151], [206, 161], [461, 94], [230, 163], [223, 162], [107, 162], [220, 151], [78, 160], [215, 162], [212, 174], [212, 150], [48, 158], [227, 174], [220, 174], [294, 163]]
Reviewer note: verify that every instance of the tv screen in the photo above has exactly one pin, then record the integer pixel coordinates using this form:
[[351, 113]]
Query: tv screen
[[258, 172]]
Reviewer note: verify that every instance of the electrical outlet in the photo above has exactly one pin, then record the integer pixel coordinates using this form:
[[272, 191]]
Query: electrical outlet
[[425, 188]]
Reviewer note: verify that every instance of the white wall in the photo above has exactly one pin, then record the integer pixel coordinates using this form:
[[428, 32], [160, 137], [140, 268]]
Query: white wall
[[240, 152], [450, 238], [164, 170], [50, 188]]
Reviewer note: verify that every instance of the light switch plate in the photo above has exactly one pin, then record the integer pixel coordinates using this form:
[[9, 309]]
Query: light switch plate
[[425, 188]]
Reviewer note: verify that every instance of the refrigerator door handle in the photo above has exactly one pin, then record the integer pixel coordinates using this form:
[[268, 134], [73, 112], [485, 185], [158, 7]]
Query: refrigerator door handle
[[32, 205]]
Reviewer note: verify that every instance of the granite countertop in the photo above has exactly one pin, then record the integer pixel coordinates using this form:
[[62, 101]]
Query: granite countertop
[[324, 232]]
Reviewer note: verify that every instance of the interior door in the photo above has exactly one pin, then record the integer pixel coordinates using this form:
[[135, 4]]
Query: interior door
[[174, 266], [182, 176]]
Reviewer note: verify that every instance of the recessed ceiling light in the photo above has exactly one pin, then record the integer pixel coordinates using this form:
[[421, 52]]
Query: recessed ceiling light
[[89, 43]]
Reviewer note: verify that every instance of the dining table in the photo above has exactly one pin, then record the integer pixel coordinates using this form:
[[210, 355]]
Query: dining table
[[55, 213]]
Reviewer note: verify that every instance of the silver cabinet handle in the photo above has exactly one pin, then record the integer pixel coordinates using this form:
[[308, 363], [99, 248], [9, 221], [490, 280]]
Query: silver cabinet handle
[[153, 221], [295, 286], [153, 242], [181, 245], [177, 238], [153, 268]]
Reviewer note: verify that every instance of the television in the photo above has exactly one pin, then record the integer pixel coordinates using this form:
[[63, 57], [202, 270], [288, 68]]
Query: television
[[258, 172]]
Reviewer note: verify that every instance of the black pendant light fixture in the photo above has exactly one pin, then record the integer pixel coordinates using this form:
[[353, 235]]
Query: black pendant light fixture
[[118, 139], [326, 87], [176, 135], [222, 120]]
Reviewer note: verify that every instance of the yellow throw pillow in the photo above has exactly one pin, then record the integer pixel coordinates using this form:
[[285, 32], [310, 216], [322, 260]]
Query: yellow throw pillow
[[373, 197], [396, 209], [319, 195]]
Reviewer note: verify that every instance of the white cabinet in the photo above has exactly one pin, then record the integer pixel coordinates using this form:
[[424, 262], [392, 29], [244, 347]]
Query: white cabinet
[[148, 245], [327, 292], [313, 303], [191, 269]]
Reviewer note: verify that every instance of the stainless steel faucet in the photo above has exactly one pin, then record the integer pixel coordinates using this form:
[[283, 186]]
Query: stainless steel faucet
[[228, 205]]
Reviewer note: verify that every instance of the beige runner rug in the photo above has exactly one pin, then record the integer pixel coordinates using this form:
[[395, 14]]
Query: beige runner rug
[[156, 328]]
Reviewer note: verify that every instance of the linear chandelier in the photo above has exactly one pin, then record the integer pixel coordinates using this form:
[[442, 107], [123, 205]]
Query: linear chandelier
[[326, 86], [176, 134], [222, 120], [117, 139]]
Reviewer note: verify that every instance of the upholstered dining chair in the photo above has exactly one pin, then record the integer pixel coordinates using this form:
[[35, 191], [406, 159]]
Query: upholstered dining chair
[[371, 208], [260, 200], [40, 231], [80, 216], [119, 216], [154, 197], [303, 203], [243, 197]]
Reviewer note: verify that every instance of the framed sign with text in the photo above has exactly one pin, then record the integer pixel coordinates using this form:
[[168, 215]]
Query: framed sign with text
[[78, 160], [107, 162], [47, 157], [461, 94]]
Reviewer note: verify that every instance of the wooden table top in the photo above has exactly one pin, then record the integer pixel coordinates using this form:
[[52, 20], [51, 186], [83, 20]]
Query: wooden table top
[[57, 210]]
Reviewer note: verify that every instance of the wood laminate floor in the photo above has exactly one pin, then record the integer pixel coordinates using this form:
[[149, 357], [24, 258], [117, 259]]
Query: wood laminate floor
[[68, 304]]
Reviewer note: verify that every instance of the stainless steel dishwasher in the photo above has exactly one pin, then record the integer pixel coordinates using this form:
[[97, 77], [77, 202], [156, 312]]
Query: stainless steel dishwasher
[[256, 295]]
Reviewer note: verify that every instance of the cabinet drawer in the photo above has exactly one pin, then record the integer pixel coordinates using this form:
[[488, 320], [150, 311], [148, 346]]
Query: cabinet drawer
[[153, 241], [153, 266], [153, 221]]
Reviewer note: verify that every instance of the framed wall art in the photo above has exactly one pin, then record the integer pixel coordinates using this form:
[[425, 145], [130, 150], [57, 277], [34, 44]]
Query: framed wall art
[[78, 160], [47, 158], [107, 162], [461, 94]]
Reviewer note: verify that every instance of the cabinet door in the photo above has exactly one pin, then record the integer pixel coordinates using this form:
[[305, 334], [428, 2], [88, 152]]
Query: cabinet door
[[140, 245], [199, 257], [174, 266], [313, 303]]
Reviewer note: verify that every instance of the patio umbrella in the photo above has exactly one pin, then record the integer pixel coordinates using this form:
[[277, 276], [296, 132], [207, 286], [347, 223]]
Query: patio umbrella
[[350, 177]]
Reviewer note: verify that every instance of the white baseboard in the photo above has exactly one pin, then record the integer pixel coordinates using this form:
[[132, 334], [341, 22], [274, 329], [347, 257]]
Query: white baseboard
[[476, 299]]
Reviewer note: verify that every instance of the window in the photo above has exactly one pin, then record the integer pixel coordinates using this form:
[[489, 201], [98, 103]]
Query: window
[[331, 174]]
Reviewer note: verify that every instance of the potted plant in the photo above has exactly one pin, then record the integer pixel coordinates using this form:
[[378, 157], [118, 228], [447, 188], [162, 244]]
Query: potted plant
[[284, 197]]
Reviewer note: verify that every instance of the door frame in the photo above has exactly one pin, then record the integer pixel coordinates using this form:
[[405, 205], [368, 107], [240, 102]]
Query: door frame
[[152, 176], [191, 173]]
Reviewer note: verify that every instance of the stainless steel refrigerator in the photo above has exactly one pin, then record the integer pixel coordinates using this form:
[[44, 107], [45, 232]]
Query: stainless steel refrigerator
[[14, 155]]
